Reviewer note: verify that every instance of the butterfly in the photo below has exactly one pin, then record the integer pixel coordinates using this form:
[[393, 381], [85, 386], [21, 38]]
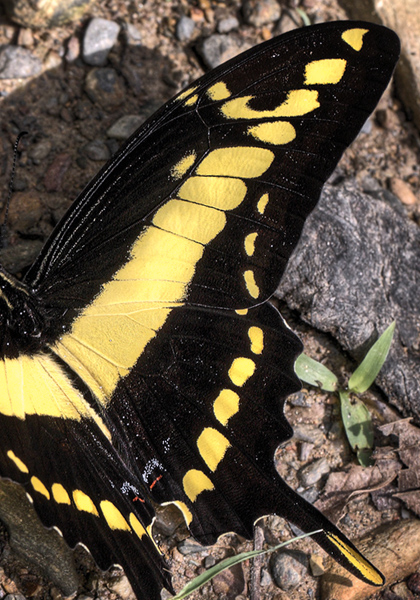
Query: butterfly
[[140, 360]]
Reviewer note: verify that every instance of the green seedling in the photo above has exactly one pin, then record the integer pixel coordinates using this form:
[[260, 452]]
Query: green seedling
[[356, 417]]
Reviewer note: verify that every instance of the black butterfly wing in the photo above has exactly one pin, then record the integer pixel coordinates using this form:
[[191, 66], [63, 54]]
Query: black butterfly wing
[[130, 347]]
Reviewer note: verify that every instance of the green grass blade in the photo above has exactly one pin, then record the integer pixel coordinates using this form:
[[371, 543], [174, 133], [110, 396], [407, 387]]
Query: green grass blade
[[367, 371], [312, 372], [199, 581], [358, 426]]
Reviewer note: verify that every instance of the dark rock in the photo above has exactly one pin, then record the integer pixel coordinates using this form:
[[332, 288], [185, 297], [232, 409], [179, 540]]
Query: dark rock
[[19, 256], [103, 87], [355, 270], [31, 540]]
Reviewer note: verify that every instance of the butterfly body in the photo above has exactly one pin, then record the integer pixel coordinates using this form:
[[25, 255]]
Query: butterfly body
[[140, 360]]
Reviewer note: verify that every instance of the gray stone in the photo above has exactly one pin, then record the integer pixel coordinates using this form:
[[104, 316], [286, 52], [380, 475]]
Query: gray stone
[[125, 126], [261, 12], [218, 48], [227, 24], [17, 62], [287, 568], [97, 150], [313, 472], [185, 28], [100, 36], [354, 271]]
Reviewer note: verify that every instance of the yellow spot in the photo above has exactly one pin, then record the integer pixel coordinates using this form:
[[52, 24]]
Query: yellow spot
[[241, 370], [327, 70], [192, 221], [60, 494], [191, 100], [113, 516], [226, 405], [183, 165], [224, 193], [20, 464], [136, 526], [218, 91], [250, 243], [239, 161], [195, 482], [241, 311], [262, 203], [83, 502], [212, 446], [40, 487], [357, 560], [186, 93], [273, 132], [251, 285], [354, 38], [297, 103], [256, 336]]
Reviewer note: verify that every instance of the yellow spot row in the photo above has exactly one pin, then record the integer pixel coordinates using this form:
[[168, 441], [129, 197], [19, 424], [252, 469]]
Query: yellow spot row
[[82, 501]]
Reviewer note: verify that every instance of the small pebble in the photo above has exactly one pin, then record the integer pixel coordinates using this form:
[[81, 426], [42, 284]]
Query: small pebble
[[190, 546], [218, 48], [73, 49], [97, 150], [261, 12], [316, 564], [124, 127], [100, 36], [134, 36], [228, 24], [184, 29], [17, 63], [403, 191], [53, 178], [312, 473], [288, 568], [104, 87], [25, 38]]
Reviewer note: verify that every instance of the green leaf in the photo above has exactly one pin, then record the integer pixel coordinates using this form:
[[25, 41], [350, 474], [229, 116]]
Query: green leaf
[[367, 371], [199, 581], [312, 372], [358, 426]]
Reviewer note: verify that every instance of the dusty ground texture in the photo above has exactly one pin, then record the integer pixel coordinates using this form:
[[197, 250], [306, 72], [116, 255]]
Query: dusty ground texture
[[66, 144]]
